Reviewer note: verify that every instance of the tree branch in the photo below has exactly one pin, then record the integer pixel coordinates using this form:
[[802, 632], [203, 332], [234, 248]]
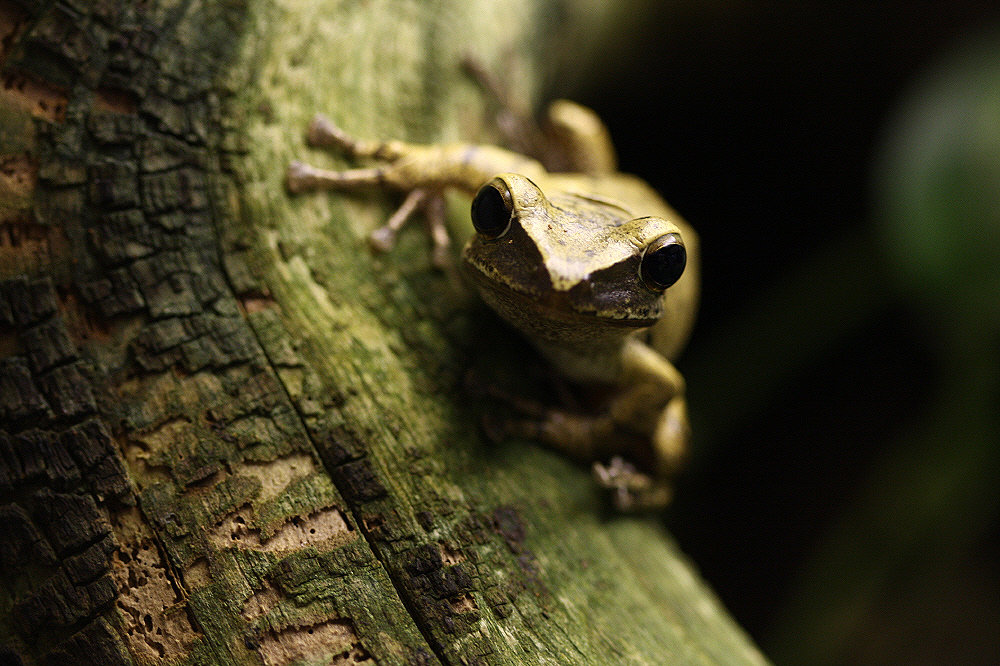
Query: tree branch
[[230, 433]]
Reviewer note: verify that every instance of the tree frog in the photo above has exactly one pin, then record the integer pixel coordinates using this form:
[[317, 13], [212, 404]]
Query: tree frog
[[591, 265]]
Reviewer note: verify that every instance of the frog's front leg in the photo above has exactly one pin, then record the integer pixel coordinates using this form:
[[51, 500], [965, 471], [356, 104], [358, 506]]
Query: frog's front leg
[[642, 432], [652, 402], [301, 177], [423, 172], [637, 490], [588, 438]]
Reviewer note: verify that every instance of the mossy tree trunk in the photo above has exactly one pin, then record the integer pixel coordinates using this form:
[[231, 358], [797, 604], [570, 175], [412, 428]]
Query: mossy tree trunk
[[229, 434]]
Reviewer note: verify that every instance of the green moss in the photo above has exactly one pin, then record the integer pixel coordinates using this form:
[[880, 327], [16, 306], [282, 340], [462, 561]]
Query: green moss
[[482, 542]]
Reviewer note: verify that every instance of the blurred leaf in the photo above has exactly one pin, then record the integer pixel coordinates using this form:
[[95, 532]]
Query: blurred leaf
[[930, 503], [938, 184]]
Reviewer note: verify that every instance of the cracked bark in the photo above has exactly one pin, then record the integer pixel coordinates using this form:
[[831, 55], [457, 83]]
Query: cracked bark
[[228, 435]]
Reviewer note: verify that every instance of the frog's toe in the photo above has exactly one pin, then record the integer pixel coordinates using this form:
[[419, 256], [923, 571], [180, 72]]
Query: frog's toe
[[298, 177], [382, 239], [631, 490], [322, 132], [431, 202], [619, 474]]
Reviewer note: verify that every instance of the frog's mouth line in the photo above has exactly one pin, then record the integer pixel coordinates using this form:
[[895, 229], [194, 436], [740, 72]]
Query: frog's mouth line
[[556, 306]]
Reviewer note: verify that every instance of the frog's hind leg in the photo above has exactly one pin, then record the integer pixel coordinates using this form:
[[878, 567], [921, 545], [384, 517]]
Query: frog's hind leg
[[569, 138], [514, 119], [580, 138]]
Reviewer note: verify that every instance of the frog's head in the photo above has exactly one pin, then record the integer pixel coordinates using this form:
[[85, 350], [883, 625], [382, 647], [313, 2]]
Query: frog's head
[[558, 264]]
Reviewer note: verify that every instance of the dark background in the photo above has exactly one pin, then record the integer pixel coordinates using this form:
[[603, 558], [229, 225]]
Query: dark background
[[842, 497]]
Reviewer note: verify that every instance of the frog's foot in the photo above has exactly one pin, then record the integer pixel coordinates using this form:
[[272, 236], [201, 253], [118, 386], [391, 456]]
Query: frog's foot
[[631, 489], [431, 202], [301, 177]]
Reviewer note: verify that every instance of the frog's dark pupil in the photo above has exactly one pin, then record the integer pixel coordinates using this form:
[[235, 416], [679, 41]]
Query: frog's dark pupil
[[490, 214], [664, 266]]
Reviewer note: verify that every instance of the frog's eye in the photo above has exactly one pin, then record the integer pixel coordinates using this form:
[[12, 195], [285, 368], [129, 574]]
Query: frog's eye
[[493, 209], [663, 262]]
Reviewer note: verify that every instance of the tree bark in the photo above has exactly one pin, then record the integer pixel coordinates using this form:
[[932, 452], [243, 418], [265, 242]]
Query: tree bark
[[230, 435]]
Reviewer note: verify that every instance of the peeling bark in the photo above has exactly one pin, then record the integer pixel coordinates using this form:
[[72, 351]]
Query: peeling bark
[[228, 435]]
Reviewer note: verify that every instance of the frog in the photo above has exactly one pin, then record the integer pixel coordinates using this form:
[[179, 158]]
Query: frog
[[590, 264]]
